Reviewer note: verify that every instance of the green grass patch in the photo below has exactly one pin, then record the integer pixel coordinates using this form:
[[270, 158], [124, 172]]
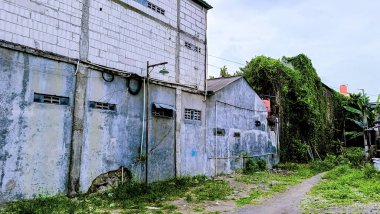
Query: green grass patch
[[131, 197], [269, 183], [346, 185]]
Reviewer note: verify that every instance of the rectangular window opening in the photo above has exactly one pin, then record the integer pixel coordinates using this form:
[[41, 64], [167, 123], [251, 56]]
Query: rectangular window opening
[[192, 47], [219, 132], [237, 134], [156, 8], [103, 106], [162, 110], [50, 99], [192, 114]]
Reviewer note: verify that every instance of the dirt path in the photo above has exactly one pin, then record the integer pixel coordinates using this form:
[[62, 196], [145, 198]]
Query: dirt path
[[287, 202]]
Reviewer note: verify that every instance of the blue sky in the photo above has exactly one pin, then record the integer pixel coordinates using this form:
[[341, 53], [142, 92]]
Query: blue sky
[[342, 38]]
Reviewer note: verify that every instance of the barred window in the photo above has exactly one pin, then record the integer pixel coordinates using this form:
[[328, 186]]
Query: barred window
[[50, 99], [192, 114], [103, 106], [192, 47]]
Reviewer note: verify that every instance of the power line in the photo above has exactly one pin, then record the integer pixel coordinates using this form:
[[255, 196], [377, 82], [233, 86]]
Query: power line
[[228, 60]]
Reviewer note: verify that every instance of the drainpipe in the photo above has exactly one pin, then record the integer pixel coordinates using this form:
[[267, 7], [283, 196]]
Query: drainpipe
[[143, 125], [216, 138]]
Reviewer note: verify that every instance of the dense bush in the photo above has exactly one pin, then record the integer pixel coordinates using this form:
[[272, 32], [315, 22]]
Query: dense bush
[[355, 156], [251, 165]]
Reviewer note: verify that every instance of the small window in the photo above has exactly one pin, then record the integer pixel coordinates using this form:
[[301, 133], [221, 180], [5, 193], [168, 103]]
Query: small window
[[156, 8], [162, 110], [219, 132], [103, 106], [192, 47], [237, 134], [50, 99], [192, 114], [152, 6]]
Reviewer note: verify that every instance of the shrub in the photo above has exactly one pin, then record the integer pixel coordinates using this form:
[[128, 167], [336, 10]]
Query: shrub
[[355, 156], [369, 171], [251, 165], [287, 166]]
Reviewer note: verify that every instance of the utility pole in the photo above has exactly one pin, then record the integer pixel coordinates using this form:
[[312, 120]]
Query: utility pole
[[147, 115], [365, 127]]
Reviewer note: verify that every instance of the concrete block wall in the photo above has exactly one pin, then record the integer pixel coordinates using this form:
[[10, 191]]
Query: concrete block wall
[[123, 34], [193, 19], [52, 26], [124, 39], [192, 63]]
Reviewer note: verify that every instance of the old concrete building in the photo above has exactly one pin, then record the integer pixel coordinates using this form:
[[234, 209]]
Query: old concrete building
[[73, 90], [237, 126]]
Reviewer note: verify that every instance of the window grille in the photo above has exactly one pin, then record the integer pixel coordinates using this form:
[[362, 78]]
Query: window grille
[[156, 8], [103, 106], [50, 99], [192, 47], [192, 114]]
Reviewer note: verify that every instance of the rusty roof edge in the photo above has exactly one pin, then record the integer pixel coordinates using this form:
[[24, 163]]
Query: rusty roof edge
[[203, 4], [238, 77]]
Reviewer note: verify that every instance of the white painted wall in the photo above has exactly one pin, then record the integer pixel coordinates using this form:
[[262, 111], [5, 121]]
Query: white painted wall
[[119, 37], [52, 26]]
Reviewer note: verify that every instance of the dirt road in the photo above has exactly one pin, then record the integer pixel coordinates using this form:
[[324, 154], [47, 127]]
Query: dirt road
[[287, 202]]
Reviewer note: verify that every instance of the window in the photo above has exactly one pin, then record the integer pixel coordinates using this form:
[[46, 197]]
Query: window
[[192, 47], [192, 114], [156, 8], [237, 134], [219, 132], [162, 110], [152, 6], [50, 99], [103, 106]]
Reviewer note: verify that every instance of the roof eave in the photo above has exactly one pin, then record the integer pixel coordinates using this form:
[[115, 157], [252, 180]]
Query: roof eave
[[203, 4]]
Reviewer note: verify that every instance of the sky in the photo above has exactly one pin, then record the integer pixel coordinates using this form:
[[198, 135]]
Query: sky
[[341, 37]]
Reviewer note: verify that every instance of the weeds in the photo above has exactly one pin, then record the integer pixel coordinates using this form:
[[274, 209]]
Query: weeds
[[346, 185], [131, 197]]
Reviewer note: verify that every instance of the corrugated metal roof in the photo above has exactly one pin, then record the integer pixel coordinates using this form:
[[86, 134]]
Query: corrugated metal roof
[[203, 4], [214, 85]]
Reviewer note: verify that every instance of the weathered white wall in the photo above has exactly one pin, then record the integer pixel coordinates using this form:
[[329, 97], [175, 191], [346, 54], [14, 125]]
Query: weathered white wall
[[193, 137], [111, 138], [52, 26], [122, 34], [253, 140], [34, 137]]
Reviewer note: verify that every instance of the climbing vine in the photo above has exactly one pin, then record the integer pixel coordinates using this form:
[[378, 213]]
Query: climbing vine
[[305, 106]]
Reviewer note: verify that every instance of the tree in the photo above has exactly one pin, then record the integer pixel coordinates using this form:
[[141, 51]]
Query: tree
[[224, 72], [363, 116]]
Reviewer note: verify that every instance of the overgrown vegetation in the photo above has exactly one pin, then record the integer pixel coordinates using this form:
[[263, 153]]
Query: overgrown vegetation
[[306, 106], [129, 197], [251, 165], [345, 185]]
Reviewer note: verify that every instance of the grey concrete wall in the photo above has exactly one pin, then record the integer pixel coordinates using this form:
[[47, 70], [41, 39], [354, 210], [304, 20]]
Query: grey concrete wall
[[162, 134], [34, 137], [235, 109], [111, 138], [193, 137]]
